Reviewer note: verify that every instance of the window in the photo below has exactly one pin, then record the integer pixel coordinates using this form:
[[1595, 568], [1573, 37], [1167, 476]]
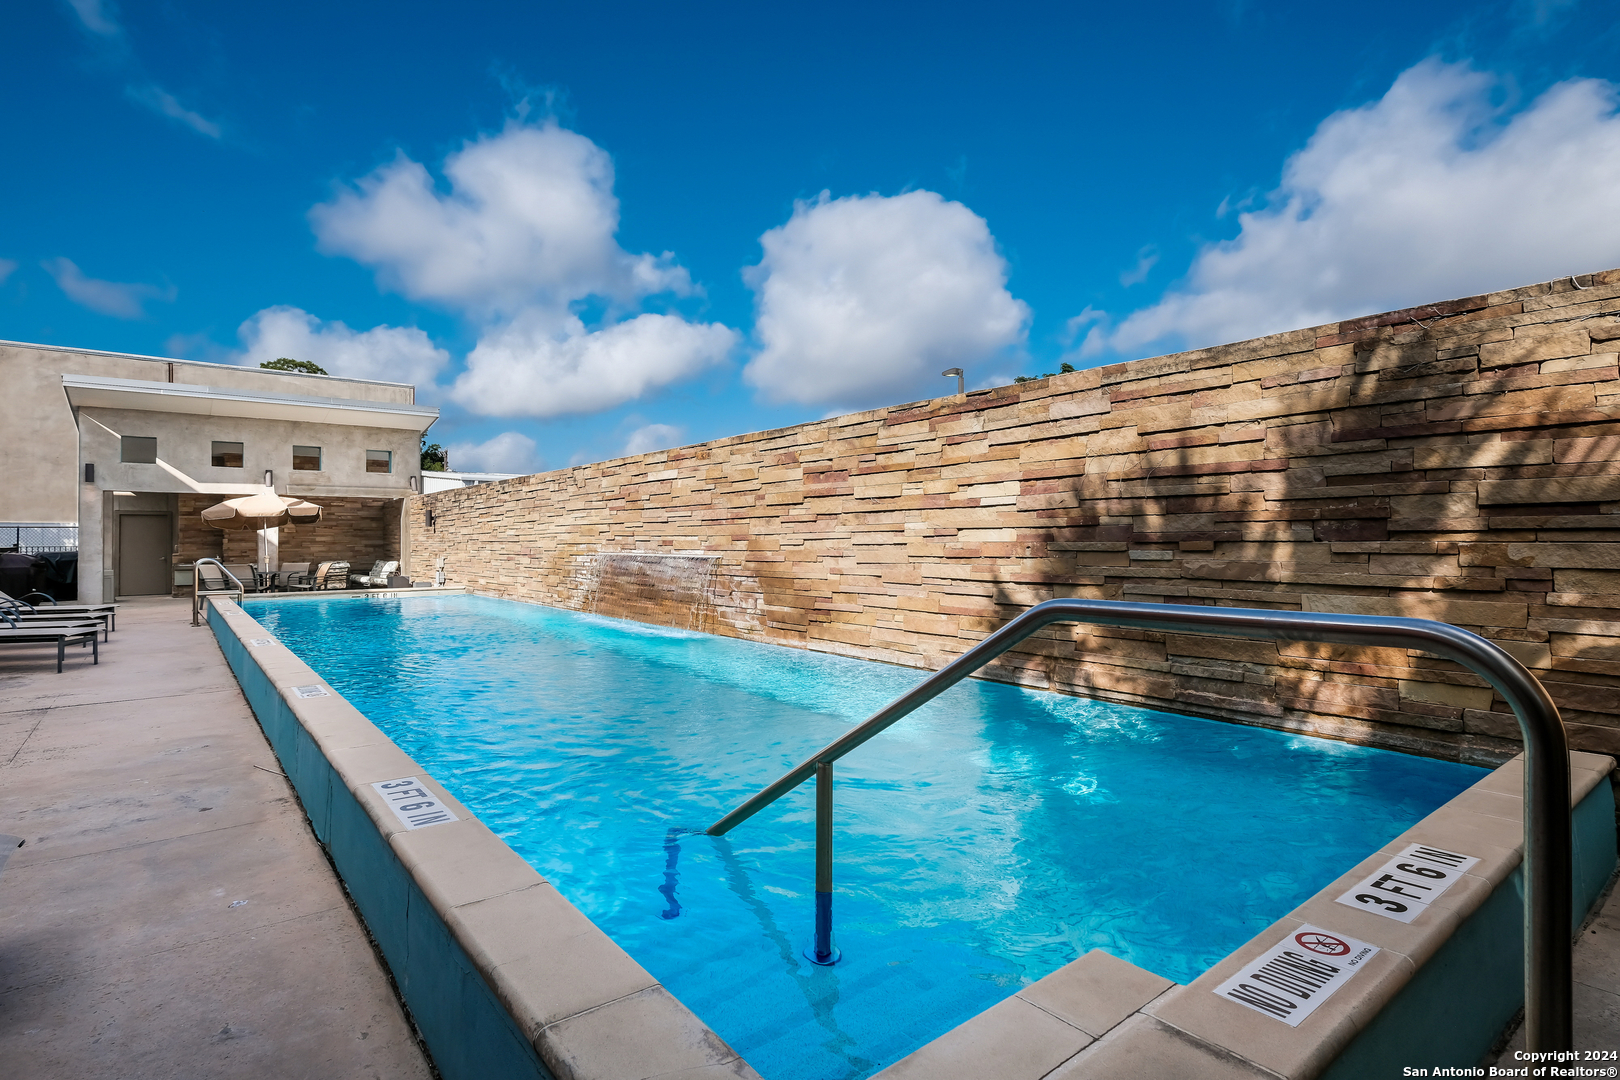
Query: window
[[379, 461], [141, 449], [227, 455], [307, 458]]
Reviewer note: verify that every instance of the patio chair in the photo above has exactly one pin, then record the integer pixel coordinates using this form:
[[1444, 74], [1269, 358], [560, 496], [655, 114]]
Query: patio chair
[[306, 581], [247, 574], [336, 576], [378, 578], [290, 571]]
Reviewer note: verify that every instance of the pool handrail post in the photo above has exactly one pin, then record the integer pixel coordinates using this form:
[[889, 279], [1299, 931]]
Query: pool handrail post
[[1548, 855], [821, 950], [196, 596]]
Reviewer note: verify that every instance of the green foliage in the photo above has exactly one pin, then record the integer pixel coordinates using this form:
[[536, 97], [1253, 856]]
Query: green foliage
[[1063, 369], [287, 363], [435, 458]]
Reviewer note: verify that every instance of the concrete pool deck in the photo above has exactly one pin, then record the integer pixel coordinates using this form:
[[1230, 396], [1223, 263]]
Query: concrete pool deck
[[170, 913]]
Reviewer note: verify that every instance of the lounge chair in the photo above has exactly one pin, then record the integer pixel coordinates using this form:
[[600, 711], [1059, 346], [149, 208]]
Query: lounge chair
[[16, 618], [336, 576], [378, 578], [49, 604], [85, 633]]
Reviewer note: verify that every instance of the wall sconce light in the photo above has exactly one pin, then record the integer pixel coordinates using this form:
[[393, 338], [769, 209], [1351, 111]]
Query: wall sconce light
[[89, 472], [414, 486], [269, 478], [429, 517]]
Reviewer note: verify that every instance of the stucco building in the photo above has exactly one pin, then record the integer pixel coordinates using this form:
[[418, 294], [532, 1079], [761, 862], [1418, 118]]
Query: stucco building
[[130, 449]]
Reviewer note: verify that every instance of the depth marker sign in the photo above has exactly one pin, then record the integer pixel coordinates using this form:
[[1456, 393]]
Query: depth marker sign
[[413, 804], [1297, 974], [1403, 888]]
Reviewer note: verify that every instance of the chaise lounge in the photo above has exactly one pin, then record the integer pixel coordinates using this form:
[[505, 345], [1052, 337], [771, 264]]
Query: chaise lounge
[[378, 578], [27, 600], [84, 633]]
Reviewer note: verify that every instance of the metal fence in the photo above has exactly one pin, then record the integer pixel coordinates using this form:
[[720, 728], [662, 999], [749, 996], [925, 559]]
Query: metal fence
[[38, 537]]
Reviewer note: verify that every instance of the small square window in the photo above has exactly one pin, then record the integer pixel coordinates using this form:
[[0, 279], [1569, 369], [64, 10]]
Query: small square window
[[379, 461], [227, 455], [307, 458], [141, 449]]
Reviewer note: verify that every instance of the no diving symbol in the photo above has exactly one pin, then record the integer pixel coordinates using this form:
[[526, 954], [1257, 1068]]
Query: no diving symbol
[[1326, 944]]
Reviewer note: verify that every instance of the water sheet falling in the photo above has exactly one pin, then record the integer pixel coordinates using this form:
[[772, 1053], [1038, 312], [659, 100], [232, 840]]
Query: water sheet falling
[[666, 588]]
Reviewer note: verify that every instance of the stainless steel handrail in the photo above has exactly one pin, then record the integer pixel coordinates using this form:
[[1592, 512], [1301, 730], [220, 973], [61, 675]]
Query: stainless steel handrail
[[1548, 861], [196, 579]]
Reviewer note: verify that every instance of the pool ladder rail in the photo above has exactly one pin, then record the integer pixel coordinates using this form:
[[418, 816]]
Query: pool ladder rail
[[197, 592], [1548, 860]]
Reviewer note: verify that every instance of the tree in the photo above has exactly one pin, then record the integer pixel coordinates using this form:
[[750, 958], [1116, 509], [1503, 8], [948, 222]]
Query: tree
[[287, 363], [435, 458], [1064, 369]]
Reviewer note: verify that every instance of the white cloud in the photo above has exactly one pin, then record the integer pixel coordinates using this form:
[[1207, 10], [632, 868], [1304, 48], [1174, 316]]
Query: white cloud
[[1432, 192], [529, 221], [644, 440], [119, 299], [161, 101], [866, 299], [509, 452], [6, 267], [1146, 259], [532, 367], [95, 17], [388, 353]]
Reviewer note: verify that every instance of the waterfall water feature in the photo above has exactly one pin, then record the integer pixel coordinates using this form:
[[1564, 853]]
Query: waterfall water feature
[[668, 588]]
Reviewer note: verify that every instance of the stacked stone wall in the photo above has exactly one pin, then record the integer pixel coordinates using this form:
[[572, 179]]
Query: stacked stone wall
[[1455, 461]]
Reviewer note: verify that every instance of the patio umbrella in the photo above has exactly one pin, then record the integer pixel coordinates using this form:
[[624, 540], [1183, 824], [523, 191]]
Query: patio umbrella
[[262, 511]]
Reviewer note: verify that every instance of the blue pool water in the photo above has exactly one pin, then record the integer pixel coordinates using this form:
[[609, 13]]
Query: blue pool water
[[982, 843]]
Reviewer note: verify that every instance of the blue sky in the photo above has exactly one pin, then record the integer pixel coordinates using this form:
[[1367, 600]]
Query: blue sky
[[584, 230]]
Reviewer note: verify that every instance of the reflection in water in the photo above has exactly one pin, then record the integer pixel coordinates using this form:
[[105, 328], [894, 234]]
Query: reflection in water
[[672, 862], [819, 986]]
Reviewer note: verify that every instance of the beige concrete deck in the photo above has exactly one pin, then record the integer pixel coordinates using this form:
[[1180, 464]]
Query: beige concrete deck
[[1597, 986], [171, 915]]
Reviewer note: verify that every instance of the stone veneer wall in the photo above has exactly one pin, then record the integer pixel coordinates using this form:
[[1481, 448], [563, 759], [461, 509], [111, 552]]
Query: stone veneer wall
[[1455, 461], [358, 530]]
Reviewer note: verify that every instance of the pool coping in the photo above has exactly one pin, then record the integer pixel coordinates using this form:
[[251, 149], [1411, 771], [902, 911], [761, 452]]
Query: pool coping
[[1100, 1017], [583, 1005], [588, 1010]]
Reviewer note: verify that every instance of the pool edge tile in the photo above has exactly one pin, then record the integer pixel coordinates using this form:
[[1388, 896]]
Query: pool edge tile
[[645, 1034]]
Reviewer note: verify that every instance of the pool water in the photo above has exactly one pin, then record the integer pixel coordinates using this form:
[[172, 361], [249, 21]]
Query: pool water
[[980, 844]]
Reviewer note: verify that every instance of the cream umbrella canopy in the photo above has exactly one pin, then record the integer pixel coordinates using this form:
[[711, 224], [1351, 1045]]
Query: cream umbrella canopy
[[265, 510], [262, 511]]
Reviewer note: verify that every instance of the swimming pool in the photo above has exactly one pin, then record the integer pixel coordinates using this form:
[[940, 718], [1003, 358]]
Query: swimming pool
[[981, 844]]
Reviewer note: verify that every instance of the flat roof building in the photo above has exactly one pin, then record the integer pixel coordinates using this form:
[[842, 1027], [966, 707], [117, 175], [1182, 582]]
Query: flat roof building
[[128, 450]]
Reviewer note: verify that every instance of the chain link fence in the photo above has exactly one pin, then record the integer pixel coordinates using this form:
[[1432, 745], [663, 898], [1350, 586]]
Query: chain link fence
[[38, 538]]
